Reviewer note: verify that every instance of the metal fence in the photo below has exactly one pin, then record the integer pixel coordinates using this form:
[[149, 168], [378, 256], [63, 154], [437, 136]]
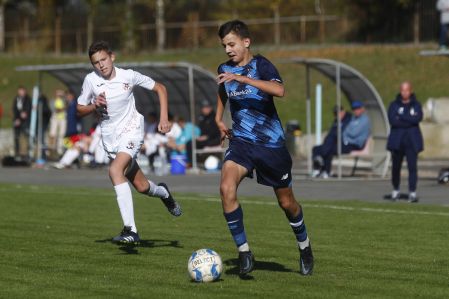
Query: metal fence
[[68, 31]]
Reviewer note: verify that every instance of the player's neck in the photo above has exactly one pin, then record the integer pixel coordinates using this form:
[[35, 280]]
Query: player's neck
[[112, 75], [247, 58]]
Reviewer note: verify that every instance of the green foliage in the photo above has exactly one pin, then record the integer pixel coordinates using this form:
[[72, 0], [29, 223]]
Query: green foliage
[[56, 245]]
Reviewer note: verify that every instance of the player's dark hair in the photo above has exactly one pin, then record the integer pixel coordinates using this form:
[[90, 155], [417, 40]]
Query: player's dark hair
[[98, 46], [236, 26]]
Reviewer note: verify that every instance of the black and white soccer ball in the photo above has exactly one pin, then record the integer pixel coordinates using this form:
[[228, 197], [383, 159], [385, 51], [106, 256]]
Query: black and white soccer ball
[[205, 265]]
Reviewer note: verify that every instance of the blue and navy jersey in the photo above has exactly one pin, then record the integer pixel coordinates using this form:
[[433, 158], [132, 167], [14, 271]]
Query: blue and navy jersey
[[254, 116]]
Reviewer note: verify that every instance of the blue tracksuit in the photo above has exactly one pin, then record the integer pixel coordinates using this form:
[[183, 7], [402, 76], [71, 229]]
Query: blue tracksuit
[[405, 138]]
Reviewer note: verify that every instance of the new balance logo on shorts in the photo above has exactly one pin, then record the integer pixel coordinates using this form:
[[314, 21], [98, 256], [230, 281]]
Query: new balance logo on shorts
[[284, 177]]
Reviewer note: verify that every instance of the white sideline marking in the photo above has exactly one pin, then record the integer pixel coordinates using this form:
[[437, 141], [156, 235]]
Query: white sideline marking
[[35, 189], [332, 207]]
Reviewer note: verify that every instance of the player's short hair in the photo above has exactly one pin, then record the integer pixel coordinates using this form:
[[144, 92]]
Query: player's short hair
[[236, 26], [98, 46]]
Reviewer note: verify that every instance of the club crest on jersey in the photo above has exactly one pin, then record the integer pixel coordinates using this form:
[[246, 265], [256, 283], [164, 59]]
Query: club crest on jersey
[[126, 86], [130, 145]]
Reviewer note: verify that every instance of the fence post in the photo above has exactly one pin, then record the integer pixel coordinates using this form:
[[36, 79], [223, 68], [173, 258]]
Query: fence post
[[322, 29], [303, 29], [416, 24]]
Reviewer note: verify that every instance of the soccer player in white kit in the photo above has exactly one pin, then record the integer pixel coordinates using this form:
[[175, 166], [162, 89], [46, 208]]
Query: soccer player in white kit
[[108, 91]]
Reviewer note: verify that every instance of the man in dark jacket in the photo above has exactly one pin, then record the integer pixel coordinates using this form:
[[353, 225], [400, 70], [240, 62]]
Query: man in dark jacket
[[405, 139], [322, 154], [21, 109], [210, 134]]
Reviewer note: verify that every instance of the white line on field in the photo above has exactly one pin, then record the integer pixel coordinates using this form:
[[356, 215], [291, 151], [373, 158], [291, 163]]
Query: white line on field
[[36, 189], [332, 207]]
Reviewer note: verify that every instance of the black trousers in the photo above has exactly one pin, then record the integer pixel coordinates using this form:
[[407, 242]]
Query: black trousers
[[327, 151], [412, 163]]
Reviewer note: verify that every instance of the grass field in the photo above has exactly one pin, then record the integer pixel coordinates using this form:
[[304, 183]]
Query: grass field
[[55, 243]]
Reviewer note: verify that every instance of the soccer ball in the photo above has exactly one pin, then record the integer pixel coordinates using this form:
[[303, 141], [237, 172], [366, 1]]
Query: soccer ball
[[204, 265]]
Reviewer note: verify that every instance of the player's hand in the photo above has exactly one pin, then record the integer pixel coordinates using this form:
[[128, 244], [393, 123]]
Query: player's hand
[[224, 131], [164, 126], [228, 77], [101, 104]]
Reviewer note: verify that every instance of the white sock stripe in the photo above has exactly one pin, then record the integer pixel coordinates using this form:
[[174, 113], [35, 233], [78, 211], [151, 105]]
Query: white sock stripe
[[297, 224], [233, 221]]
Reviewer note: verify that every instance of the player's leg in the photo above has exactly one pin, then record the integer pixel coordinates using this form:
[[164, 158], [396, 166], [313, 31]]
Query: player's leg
[[231, 176], [318, 162], [137, 178], [412, 161], [396, 164], [293, 211], [124, 198]]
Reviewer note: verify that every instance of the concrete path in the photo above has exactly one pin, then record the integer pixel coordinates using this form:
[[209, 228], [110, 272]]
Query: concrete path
[[429, 191]]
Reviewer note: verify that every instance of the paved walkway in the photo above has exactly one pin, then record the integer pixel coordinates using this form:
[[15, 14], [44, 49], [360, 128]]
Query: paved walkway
[[360, 188]]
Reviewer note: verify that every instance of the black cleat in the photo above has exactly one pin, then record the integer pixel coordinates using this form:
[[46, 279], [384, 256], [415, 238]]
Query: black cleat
[[172, 206], [127, 237], [306, 261], [412, 198], [246, 262]]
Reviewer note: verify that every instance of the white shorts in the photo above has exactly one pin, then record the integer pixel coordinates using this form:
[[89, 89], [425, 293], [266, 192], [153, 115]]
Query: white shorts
[[126, 138], [126, 144]]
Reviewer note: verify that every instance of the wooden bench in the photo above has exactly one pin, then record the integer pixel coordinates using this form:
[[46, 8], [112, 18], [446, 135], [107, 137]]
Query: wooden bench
[[365, 152], [217, 150]]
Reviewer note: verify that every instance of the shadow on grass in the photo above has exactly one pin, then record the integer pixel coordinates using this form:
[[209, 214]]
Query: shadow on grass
[[133, 248], [259, 266]]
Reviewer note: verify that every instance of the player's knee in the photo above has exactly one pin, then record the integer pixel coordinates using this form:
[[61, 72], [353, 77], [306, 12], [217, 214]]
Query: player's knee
[[227, 189], [288, 203]]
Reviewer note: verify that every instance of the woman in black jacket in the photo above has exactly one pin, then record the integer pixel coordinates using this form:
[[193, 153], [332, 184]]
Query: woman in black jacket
[[405, 139]]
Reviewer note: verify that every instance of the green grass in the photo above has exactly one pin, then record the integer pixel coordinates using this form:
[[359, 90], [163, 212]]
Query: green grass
[[55, 244]]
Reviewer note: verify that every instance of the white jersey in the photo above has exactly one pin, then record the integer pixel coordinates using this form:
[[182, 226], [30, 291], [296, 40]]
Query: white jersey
[[123, 123]]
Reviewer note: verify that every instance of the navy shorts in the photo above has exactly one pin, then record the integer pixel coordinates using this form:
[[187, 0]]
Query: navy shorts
[[273, 165]]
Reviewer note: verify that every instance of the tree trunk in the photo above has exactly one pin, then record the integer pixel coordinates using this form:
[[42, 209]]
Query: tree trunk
[[160, 26], [2, 26]]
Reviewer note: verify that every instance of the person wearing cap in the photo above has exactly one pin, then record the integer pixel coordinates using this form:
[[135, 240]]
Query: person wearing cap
[[210, 134], [321, 166], [358, 130], [354, 136], [405, 139]]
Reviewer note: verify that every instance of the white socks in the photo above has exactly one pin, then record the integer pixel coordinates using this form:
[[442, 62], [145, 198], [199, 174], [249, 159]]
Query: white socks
[[244, 247], [157, 191], [125, 204], [304, 244], [69, 156]]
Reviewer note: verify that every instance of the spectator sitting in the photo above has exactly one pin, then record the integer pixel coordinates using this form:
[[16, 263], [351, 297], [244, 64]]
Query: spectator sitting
[[153, 142], [355, 133], [179, 145], [83, 146], [319, 152], [210, 134]]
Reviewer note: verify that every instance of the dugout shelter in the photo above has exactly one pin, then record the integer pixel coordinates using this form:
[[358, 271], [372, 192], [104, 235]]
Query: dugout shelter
[[354, 86], [187, 86]]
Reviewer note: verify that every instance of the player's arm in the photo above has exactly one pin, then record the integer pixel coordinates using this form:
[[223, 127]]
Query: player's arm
[[221, 103], [272, 87], [164, 125], [99, 106]]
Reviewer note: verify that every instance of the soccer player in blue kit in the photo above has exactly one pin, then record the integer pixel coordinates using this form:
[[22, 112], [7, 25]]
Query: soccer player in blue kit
[[256, 142]]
